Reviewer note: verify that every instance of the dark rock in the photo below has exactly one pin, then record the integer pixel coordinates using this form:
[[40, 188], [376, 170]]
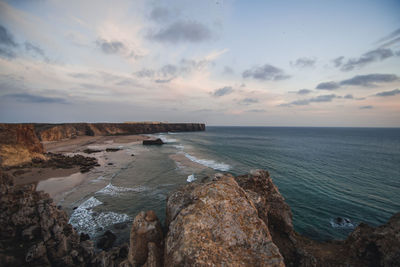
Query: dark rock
[[120, 226], [110, 163], [107, 240], [157, 141], [84, 237], [112, 149], [91, 151]]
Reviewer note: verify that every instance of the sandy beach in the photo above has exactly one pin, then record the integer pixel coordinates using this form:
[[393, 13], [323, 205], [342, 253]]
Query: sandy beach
[[59, 182]]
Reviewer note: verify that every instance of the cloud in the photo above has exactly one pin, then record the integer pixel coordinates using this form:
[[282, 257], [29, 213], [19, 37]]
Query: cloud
[[81, 75], [6, 38], [337, 62], [303, 91], [390, 39], [348, 96], [7, 44], [367, 58], [145, 73], [265, 73], [163, 81], [248, 101], [182, 31], [328, 86], [7, 53], [389, 93], [367, 107], [223, 91], [160, 14], [111, 47], [36, 51], [303, 62], [228, 70], [318, 99], [370, 79], [29, 98], [257, 110]]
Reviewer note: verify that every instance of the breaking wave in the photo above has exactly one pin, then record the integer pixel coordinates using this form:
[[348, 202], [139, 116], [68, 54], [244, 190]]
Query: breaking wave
[[115, 190], [220, 166], [191, 178]]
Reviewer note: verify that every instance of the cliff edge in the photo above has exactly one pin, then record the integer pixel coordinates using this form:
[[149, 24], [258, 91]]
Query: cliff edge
[[220, 221]]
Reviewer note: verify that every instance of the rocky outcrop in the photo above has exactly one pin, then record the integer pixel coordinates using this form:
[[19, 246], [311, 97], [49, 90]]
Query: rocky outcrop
[[146, 240], [223, 221], [19, 144], [54, 132], [217, 224], [149, 142], [34, 232]]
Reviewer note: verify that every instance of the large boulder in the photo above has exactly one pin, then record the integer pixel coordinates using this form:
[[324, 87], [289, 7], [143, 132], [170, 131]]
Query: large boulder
[[149, 142], [216, 224]]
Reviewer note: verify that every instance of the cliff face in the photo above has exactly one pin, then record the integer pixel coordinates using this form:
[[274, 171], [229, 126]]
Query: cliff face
[[54, 132], [19, 144], [223, 221]]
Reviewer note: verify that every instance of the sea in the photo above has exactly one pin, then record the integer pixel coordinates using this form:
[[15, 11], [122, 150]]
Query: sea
[[332, 178]]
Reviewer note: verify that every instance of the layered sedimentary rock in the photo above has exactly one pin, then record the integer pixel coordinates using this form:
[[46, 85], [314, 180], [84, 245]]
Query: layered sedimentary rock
[[19, 144], [54, 132]]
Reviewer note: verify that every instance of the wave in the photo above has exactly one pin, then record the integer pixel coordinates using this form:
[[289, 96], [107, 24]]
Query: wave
[[179, 147], [115, 190], [84, 219], [191, 178], [220, 166], [340, 222]]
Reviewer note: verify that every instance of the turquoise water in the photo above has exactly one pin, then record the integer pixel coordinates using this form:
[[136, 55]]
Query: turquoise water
[[323, 173]]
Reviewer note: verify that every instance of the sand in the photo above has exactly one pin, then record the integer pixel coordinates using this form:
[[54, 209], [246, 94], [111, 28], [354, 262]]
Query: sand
[[60, 182]]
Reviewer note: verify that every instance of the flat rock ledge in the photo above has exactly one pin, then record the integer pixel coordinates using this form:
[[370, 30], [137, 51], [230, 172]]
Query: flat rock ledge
[[221, 221]]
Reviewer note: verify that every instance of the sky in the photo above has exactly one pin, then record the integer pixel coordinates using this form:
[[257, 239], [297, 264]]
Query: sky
[[245, 63]]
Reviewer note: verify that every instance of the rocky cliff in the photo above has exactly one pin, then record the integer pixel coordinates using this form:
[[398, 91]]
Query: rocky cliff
[[220, 221], [19, 144], [54, 132]]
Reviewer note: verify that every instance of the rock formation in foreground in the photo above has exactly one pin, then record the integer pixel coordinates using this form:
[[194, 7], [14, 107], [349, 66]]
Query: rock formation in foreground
[[225, 221]]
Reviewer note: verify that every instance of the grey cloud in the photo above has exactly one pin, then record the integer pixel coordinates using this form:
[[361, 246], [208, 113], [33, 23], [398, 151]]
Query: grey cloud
[[303, 92], [304, 62], [169, 69], [163, 80], [182, 31], [223, 91], [33, 48], [160, 14], [228, 70], [348, 96], [265, 73], [6, 38], [390, 39], [81, 75], [367, 107], [110, 47], [318, 99], [29, 98], [145, 73], [248, 101], [367, 58], [389, 93], [337, 62], [328, 86], [7, 53], [257, 110], [370, 79]]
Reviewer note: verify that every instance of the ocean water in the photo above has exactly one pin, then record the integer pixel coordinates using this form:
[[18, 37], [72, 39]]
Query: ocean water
[[323, 173]]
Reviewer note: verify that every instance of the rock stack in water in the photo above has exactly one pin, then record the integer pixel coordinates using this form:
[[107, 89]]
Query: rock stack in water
[[223, 221]]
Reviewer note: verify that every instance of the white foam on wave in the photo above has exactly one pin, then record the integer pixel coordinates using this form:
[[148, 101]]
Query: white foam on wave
[[220, 166], [191, 178], [179, 147], [84, 219], [98, 179], [115, 190], [345, 224]]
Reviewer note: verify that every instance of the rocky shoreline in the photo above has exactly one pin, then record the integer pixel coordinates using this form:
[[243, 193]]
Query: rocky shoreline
[[219, 221]]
